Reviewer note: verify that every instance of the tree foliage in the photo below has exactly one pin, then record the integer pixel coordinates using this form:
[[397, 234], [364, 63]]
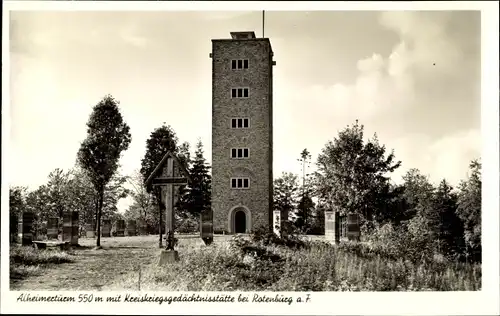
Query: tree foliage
[[144, 206], [469, 209], [196, 197], [304, 214], [353, 176], [285, 192], [107, 137], [162, 140], [450, 229], [17, 200]]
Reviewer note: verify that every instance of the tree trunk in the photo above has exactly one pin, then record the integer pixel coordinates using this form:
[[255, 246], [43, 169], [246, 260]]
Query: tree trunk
[[99, 213], [95, 215]]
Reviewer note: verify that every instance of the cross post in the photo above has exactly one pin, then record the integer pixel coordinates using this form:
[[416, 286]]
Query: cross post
[[166, 176]]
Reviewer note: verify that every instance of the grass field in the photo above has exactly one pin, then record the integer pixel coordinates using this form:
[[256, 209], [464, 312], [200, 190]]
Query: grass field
[[131, 263]]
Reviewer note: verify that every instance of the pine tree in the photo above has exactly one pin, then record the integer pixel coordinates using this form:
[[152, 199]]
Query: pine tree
[[451, 228], [469, 210], [197, 195]]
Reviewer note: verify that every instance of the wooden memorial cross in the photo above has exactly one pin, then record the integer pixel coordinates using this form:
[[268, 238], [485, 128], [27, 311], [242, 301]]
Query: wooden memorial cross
[[170, 172]]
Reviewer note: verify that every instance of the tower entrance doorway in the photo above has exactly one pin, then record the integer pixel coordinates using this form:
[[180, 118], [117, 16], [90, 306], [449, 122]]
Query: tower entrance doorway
[[240, 222]]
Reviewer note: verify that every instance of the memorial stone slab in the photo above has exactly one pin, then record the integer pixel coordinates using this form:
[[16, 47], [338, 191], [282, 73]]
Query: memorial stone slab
[[27, 225], [53, 228], [120, 228]]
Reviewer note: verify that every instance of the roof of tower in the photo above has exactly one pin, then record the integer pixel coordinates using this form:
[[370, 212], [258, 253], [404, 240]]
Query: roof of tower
[[243, 35]]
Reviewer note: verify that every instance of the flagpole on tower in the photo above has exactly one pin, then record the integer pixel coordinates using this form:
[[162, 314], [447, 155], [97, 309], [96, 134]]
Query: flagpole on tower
[[263, 17]]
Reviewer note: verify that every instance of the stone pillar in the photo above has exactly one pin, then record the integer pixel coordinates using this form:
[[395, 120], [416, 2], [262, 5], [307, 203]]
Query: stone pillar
[[120, 228], [14, 228], [106, 228], [353, 231], [27, 237], [67, 229], [332, 229], [142, 227], [70, 227], [20, 230], [89, 230], [277, 222], [75, 227], [131, 228], [53, 228], [206, 227], [42, 232]]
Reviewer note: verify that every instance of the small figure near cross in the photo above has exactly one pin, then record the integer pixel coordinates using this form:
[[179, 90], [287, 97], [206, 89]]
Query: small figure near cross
[[171, 240]]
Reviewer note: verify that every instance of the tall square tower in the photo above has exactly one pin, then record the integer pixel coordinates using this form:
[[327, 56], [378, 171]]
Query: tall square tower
[[242, 133]]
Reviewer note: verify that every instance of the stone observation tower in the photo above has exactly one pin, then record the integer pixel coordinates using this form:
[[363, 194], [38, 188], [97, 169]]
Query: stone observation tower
[[242, 133]]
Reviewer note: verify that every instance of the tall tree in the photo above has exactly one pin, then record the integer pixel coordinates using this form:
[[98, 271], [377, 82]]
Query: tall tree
[[196, 198], [304, 213], [107, 137], [353, 176], [451, 230], [17, 203], [114, 191], [40, 204], [418, 195], [469, 209], [285, 192], [141, 198], [421, 218], [162, 140], [57, 191], [306, 205], [82, 196], [183, 190], [17, 200]]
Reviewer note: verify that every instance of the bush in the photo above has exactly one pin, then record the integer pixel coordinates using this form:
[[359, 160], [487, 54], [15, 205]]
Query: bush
[[188, 225], [402, 242], [289, 238]]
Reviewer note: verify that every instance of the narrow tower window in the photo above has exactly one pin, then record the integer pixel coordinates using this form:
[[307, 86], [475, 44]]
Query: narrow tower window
[[237, 64], [239, 123]]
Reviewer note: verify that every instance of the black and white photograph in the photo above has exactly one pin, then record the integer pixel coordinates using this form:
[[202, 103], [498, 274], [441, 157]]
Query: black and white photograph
[[254, 153]]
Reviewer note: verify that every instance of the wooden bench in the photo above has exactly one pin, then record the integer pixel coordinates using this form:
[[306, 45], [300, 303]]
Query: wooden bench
[[62, 245]]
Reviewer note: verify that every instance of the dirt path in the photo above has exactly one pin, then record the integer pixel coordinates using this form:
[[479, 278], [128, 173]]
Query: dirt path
[[93, 269]]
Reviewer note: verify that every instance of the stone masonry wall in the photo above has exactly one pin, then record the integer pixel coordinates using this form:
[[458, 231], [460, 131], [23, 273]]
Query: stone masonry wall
[[258, 137]]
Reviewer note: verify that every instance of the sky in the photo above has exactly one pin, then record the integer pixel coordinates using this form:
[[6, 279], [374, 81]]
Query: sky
[[412, 77]]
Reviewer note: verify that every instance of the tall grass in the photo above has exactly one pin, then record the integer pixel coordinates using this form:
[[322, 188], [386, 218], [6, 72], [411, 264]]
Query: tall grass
[[27, 261], [246, 265]]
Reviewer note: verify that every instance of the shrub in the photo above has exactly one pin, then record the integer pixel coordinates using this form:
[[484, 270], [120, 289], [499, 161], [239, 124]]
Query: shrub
[[289, 238], [406, 242], [188, 225]]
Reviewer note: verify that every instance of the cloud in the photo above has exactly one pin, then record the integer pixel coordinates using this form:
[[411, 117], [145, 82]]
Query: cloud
[[452, 155], [425, 86]]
